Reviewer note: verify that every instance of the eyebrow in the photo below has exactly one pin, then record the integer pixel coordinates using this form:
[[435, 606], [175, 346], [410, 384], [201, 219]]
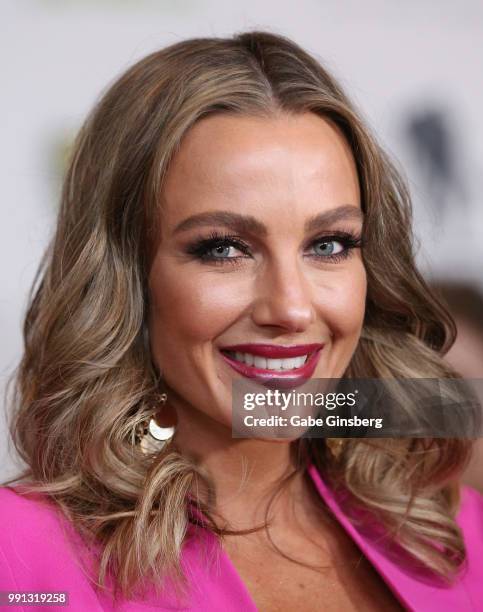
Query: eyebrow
[[249, 224], [235, 221], [329, 217]]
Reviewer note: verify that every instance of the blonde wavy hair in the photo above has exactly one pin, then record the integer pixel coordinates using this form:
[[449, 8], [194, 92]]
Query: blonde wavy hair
[[87, 380]]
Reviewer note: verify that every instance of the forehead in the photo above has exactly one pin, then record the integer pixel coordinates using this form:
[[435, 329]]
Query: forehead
[[252, 164]]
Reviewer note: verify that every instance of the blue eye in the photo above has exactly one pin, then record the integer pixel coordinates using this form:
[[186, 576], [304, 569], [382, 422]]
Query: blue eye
[[329, 248], [221, 251], [336, 247]]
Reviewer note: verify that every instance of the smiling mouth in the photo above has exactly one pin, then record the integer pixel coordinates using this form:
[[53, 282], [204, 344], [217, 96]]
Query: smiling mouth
[[264, 363], [270, 364]]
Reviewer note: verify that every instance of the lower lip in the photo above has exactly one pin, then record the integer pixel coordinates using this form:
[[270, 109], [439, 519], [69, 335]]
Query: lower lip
[[281, 378]]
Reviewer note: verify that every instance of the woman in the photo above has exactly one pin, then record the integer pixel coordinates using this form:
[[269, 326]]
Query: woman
[[224, 204]]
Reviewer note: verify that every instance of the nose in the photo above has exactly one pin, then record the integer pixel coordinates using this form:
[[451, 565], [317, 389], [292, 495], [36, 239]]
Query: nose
[[283, 299]]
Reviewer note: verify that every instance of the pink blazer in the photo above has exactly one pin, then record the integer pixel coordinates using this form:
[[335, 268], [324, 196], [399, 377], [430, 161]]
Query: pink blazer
[[39, 551]]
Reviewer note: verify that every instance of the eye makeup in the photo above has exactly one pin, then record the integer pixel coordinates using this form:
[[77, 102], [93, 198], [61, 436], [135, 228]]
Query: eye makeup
[[211, 249]]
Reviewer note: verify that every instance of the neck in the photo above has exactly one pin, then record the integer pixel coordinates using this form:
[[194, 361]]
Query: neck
[[244, 473]]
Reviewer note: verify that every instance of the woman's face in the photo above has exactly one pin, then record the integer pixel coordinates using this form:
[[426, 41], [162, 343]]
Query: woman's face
[[258, 246]]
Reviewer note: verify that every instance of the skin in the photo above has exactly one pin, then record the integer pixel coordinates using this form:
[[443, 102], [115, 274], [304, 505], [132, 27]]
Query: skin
[[282, 171]]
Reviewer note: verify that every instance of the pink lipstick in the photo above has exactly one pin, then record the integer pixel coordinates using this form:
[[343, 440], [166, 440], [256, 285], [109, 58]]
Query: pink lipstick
[[279, 377]]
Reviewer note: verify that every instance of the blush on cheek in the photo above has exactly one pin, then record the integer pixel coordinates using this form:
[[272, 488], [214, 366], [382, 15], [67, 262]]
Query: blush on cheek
[[343, 308], [201, 307]]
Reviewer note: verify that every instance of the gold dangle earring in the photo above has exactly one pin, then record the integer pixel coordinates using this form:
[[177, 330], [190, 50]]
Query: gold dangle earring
[[151, 436]]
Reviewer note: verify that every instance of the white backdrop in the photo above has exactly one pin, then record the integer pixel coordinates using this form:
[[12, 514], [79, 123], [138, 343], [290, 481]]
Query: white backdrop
[[416, 63]]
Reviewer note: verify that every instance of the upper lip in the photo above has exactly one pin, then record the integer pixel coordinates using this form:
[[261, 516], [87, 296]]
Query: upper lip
[[273, 350]]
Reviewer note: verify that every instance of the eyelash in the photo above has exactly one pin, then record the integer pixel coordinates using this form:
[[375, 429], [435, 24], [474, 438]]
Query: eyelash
[[200, 248]]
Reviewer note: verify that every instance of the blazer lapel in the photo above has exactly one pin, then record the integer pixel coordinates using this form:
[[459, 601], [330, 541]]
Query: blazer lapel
[[413, 593]]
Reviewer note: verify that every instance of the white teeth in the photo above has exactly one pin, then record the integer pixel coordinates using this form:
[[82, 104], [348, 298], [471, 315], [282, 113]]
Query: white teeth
[[290, 364], [248, 358], [260, 362], [277, 364], [269, 364]]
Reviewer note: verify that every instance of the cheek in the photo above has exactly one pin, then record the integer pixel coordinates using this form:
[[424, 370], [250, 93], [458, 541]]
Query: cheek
[[344, 304], [191, 305]]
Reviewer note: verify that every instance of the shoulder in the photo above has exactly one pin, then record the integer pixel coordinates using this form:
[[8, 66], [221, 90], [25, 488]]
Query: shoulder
[[14, 507], [39, 549], [33, 532], [29, 521], [471, 502], [470, 520]]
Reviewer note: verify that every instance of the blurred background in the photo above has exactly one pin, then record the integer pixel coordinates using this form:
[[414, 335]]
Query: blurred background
[[413, 69]]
